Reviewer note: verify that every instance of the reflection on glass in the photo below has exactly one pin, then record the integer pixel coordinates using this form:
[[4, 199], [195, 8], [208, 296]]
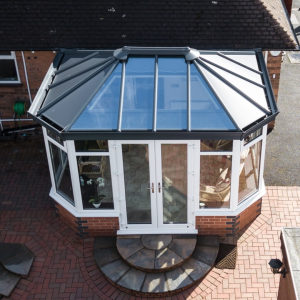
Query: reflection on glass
[[92, 146], [137, 183], [8, 70], [206, 111], [252, 136], [215, 181], [138, 93], [216, 145], [249, 171], [55, 137], [102, 111], [174, 185], [172, 93], [61, 171], [95, 182]]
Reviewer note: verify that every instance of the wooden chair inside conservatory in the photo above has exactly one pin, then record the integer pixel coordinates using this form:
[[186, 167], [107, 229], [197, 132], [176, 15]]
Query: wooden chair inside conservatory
[[92, 168]]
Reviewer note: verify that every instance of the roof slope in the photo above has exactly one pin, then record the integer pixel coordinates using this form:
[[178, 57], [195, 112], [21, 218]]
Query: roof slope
[[205, 24]]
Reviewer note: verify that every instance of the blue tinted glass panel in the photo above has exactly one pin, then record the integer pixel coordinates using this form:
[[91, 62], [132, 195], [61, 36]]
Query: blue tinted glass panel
[[172, 94], [138, 93], [102, 111], [206, 111]]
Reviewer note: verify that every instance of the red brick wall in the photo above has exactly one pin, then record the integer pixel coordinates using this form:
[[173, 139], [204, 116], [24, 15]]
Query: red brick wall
[[86, 226], [227, 225], [288, 5], [37, 65]]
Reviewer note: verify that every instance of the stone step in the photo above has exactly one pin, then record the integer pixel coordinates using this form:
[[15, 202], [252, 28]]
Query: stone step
[[16, 258], [153, 282], [8, 281], [156, 252]]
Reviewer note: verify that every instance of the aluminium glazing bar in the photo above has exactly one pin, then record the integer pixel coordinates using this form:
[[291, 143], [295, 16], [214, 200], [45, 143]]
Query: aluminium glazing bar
[[217, 96], [155, 94], [121, 97], [231, 72], [73, 88], [78, 62], [238, 63], [266, 111], [188, 96]]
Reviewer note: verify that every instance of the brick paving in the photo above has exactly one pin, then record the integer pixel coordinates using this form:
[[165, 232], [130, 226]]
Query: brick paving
[[65, 268]]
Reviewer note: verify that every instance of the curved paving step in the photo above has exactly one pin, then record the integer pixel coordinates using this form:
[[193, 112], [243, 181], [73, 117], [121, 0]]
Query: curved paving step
[[156, 252], [152, 283], [16, 258]]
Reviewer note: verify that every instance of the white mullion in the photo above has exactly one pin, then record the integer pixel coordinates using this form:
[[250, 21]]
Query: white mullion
[[74, 176], [91, 153], [235, 175], [250, 144], [197, 176], [64, 148], [262, 158]]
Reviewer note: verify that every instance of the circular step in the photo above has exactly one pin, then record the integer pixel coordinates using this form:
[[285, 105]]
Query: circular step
[[156, 252]]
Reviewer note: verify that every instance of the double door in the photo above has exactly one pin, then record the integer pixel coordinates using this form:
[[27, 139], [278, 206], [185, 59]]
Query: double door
[[155, 185]]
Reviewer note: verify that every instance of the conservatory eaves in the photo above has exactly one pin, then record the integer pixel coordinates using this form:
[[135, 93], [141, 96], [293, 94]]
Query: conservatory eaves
[[156, 93]]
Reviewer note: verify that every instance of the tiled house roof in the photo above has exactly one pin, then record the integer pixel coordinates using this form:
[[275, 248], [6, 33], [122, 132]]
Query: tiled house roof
[[91, 24]]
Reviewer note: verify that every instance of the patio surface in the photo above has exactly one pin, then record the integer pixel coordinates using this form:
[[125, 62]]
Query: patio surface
[[65, 268]]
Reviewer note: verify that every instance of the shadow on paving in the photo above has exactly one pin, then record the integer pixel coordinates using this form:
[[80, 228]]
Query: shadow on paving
[[282, 163]]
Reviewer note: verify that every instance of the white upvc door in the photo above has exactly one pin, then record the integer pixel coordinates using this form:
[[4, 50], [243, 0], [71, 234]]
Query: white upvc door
[[155, 180]]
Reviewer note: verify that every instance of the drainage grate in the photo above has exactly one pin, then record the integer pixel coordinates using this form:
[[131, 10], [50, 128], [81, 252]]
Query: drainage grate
[[227, 256]]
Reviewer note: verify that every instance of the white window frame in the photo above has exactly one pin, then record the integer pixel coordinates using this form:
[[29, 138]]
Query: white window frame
[[12, 56]]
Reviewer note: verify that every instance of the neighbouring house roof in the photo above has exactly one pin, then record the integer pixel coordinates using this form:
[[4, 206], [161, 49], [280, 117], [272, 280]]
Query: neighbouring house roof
[[157, 92], [206, 24]]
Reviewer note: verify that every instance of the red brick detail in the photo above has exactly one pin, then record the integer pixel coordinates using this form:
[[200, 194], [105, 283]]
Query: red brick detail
[[88, 226], [228, 225], [37, 65]]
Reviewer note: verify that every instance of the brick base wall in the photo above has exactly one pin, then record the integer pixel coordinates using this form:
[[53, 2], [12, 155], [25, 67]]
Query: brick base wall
[[230, 225], [86, 226]]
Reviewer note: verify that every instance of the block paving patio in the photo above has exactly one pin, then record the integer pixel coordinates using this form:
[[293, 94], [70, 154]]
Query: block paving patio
[[64, 265]]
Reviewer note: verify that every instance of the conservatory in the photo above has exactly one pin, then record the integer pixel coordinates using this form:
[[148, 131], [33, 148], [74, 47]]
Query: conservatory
[[155, 137]]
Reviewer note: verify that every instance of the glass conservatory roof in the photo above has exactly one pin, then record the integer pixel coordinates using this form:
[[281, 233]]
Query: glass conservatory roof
[[158, 90]]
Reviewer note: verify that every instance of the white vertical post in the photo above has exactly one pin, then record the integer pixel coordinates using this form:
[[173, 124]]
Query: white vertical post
[[235, 174]]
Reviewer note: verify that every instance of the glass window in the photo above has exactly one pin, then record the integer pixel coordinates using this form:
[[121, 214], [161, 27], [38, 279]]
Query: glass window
[[55, 137], [172, 94], [95, 182], [252, 136], [8, 67], [215, 181], [92, 146], [206, 111], [249, 171], [102, 112], [138, 94], [216, 145], [61, 171]]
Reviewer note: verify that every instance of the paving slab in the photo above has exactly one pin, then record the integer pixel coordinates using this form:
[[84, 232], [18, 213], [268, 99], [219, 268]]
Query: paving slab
[[102, 242], [195, 268], [128, 247], [16, 258], [155, 283], [206, 254], [8, 281], [144, 258], [183, 247], [177, 279], [105, 256], [156, 241], [115, 270], [166, 258], [132, 280]]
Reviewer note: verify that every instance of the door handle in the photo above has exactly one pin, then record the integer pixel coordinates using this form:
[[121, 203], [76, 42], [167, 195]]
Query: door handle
[[160, 188], [151, 188]]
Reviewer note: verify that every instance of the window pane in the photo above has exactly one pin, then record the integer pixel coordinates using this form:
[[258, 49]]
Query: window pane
[[55, 137], [93, 146], [5, 53], [172, 93], [61, 171], [216, 145], [138, 93], [215, 181], [252, 136], [249, 171], [95, 182], [102, 111], [206, 111], [8, 70]]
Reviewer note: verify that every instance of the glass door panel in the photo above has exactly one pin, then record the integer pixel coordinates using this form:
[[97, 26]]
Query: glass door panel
[[174, 183], [138, 186]]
